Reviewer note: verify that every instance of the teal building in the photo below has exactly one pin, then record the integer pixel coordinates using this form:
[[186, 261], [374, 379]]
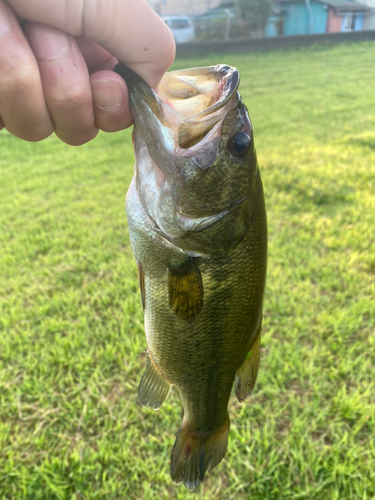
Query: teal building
[[299, 19]]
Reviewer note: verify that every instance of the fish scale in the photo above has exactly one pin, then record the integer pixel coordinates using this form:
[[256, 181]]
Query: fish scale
[[202, 265]]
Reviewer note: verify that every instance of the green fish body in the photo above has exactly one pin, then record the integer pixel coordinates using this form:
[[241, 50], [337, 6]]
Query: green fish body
[[198, 230]]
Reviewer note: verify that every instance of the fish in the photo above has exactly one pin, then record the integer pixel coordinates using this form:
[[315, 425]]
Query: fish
[[198, 230]]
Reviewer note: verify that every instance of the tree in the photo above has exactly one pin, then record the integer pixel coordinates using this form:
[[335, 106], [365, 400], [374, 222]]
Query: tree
[[256, 12]]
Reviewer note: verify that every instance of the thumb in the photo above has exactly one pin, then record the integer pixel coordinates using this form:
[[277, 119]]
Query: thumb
[[129, 29]]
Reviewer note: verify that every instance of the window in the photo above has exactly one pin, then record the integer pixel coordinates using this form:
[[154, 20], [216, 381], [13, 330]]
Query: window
[[349, 21], [179, 24]]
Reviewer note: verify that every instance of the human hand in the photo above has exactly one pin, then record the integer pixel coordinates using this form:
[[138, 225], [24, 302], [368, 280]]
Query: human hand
[[55, 70]]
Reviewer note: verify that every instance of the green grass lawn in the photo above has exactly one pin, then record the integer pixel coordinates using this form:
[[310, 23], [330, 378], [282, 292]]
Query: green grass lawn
[[72, 339]]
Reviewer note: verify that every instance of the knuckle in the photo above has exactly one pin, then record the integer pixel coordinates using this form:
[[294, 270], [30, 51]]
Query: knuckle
[[70, 97], [114, 125], [79, 139], [16, 82], [36, 134]]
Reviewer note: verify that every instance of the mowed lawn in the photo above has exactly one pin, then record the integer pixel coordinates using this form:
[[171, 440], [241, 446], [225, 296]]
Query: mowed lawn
[[72, 338]]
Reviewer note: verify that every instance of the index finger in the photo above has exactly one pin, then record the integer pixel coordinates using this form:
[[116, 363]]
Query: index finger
[[129, 29]]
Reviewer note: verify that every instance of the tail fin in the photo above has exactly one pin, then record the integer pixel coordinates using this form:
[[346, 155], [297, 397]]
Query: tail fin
[[194, 452]]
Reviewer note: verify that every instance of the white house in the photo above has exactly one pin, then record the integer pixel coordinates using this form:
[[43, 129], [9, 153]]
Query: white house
[[164, 7]]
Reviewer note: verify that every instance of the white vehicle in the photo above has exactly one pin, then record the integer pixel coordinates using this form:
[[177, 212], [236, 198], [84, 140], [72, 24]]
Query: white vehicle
[[182, 28]]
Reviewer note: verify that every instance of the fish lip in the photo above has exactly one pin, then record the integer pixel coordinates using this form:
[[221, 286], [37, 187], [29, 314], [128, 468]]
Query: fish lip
[[136, 84], [192, 128]]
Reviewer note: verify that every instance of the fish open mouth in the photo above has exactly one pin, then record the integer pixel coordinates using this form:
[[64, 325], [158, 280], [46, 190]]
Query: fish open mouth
[[189, 102], [201, 98]]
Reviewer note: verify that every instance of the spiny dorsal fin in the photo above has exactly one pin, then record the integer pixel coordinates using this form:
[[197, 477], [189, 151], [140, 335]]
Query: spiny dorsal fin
[[185, 289], [153, 389], [141, 278], [247, 373]]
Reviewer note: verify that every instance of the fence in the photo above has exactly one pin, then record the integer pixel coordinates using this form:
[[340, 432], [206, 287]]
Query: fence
[[284, 42]]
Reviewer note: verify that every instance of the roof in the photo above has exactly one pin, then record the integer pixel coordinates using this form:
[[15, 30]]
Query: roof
[[343, 5]]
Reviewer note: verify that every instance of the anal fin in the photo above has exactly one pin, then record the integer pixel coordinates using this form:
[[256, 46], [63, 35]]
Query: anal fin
[[153, 389], [246, 374]]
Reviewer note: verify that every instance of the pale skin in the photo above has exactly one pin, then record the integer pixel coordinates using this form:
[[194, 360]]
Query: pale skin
[[56, 61]]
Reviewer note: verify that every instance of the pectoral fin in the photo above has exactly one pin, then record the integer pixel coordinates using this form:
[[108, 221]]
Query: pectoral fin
[[185, 288], [247, 373], [153, 389]]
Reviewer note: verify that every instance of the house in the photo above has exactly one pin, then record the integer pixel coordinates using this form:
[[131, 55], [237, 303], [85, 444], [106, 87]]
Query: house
[[289, 17], [342, 16], [303, 17]]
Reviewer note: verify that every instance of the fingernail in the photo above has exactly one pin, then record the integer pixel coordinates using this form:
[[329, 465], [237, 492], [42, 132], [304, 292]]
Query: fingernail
[[107, 95], [48, 43]]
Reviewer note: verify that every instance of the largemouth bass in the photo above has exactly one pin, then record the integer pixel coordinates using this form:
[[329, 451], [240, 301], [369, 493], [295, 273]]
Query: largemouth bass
[[198, 230]]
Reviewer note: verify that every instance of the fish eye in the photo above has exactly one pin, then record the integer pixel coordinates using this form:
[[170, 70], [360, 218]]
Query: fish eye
[[240, 145]]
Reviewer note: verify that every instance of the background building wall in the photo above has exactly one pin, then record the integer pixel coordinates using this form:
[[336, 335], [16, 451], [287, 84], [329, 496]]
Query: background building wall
[[297, 19], [334, 21], [359, 21], [370, 22], [272, 26]]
